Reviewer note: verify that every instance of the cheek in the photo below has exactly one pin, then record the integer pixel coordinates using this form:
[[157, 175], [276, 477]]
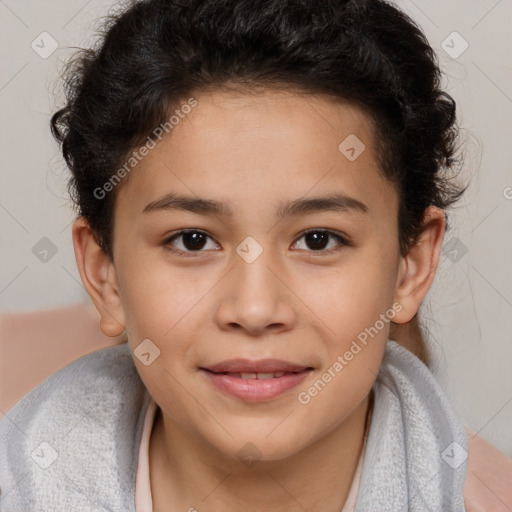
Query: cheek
[[350, 303], [353, 295], [154, 294], [165, 306], [350, 307]]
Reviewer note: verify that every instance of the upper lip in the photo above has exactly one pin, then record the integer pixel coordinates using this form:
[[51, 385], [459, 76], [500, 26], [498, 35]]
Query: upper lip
[[261, 366]]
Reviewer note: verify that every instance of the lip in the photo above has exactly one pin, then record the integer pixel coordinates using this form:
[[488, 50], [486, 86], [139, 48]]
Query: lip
[[254, 389]]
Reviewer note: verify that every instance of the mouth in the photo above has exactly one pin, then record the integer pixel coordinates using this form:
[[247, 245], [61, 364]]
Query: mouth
[[253, 375], [256, 381], [260, 366]]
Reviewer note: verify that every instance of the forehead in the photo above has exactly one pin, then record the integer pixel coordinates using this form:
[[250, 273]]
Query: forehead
[[262, 144]]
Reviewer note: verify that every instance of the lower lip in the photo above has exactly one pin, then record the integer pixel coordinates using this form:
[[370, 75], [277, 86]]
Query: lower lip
[[256, 390]]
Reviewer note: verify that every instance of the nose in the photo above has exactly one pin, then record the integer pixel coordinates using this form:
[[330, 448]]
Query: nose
[[255, 298]]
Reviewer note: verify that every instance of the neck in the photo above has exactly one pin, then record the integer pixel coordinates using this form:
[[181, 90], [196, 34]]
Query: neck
[[188, 474]]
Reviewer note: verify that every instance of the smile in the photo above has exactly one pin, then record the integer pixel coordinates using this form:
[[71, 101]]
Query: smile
[[255, 386]]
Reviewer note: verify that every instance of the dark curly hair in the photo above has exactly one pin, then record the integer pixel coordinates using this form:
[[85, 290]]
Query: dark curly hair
[[156, 52]]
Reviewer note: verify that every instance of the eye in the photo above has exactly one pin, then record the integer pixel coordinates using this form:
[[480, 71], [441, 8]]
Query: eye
[[192, 240], [188, 241], [318, 240]]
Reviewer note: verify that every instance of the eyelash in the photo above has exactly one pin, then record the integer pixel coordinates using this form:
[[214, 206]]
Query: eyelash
[[342, 240]]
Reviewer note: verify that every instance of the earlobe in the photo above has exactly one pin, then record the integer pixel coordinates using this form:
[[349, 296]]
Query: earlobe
[[418, 267], [99, 278]]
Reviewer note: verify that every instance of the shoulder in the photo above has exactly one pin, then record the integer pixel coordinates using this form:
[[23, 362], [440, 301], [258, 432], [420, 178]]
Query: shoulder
[[67, 435], [488, 484], [88, 376], [89, 386]]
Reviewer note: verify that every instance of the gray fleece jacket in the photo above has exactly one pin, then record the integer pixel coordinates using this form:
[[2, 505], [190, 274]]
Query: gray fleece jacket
[[72, 443]]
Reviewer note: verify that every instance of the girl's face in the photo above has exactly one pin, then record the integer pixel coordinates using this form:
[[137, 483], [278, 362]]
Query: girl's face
[[248, 177]]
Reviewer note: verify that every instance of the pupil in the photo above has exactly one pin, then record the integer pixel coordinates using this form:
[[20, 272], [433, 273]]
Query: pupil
[[193, 241], [317, 240]]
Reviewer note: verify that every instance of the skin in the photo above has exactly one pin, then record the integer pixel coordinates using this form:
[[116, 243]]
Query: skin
[[293, 302]]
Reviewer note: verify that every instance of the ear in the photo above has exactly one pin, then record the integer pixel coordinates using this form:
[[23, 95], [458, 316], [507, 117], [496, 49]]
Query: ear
[[99, 278], [418, 268]]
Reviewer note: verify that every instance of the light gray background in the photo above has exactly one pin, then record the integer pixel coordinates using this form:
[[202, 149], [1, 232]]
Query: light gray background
[[469, 309]]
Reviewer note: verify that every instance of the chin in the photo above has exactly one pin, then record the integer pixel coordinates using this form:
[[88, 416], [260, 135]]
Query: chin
[[253, 449]]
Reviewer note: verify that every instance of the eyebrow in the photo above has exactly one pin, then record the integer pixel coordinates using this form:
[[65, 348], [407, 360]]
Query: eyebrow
[[203, 206]]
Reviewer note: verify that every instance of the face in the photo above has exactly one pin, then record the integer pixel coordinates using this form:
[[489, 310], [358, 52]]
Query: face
[[290, 253]]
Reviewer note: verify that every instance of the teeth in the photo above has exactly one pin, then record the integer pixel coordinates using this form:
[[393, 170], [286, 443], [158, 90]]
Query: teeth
[[260, 376], [248, 375], [264, 376]]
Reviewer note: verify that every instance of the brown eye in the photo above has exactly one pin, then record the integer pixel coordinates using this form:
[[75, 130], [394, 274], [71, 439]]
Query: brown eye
[[317, 240], [191, 240]]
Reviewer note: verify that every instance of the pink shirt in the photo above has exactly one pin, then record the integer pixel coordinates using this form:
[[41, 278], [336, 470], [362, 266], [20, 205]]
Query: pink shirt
[[143, 500]]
